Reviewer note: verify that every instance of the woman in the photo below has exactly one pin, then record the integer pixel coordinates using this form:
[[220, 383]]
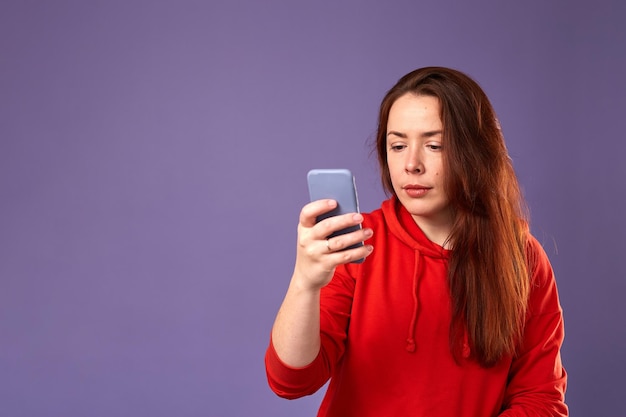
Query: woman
[[455, 311]]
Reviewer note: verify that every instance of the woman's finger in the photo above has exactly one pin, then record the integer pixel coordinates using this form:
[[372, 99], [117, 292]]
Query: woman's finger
[[311, 211]]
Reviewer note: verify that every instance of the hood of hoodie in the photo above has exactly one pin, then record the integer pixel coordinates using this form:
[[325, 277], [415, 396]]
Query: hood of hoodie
[[402, 225]]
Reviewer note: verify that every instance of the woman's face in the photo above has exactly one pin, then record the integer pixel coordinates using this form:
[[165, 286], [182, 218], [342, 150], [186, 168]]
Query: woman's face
[[415, 159]]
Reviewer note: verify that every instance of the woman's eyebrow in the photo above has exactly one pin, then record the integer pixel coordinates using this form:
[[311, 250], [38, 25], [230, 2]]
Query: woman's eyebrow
[[432, 133], [394, 133], [428, 134]]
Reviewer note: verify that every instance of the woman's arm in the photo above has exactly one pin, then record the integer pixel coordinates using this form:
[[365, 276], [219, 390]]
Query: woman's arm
[[537, 379], [296, 330]]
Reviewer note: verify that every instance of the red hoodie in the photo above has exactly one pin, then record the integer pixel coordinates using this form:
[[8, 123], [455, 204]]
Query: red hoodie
[[385, 339]]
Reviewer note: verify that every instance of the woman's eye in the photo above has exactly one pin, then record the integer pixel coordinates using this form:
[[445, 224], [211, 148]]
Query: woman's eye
[[434, 147], [397, 147]]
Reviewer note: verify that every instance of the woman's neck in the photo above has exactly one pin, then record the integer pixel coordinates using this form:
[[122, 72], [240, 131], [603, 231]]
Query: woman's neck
[[436, 230]]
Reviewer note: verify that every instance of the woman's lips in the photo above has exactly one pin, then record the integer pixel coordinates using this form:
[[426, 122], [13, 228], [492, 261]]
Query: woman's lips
[[416, 191]]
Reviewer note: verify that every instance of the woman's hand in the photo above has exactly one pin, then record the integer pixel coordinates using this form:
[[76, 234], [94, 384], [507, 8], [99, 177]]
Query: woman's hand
[[316, 256], [296, 331]]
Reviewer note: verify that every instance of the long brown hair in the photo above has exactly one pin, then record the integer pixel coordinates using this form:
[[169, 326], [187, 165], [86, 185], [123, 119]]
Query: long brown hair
[[488, 273]]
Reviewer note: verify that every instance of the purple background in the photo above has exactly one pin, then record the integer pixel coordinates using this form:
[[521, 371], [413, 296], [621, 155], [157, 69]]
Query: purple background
[[152, 166]]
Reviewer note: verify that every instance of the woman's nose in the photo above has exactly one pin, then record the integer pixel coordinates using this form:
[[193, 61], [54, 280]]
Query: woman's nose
[[414, 162]]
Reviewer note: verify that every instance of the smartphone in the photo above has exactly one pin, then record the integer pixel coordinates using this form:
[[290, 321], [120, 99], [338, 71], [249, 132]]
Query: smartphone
[[339, 185]]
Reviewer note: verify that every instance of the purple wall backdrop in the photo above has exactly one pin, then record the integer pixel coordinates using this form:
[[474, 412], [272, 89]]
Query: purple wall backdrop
[[152, 167]]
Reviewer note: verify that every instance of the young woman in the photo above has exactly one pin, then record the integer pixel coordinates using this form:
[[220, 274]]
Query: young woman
[[455, 310]]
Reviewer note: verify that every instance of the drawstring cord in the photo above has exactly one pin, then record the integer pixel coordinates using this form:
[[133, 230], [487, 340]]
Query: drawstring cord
[[410, 341]]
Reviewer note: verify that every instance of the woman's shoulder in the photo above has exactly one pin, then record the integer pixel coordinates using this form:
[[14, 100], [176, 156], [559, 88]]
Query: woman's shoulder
[[537, 258], [543, 291]]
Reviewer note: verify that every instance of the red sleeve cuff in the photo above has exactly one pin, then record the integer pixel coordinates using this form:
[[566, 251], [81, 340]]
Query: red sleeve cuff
[[289, 382]]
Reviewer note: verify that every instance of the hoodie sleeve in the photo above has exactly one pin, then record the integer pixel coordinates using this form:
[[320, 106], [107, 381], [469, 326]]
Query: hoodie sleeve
[[537, 379], [335, 307]]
